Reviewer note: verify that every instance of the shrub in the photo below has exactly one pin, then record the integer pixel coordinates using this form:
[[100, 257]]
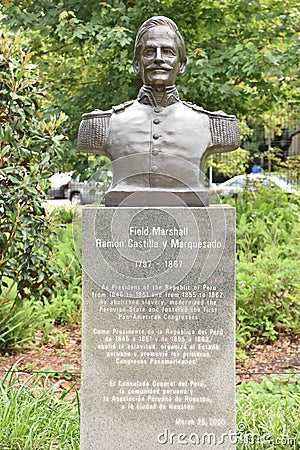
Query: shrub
[[20, 324], [267, 297], [29, 145], [268, 286], [267, 216], [64, 306], [62, 215]]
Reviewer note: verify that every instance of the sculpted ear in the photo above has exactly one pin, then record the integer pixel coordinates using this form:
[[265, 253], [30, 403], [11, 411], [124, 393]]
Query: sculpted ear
[[136, 67], [182, 68]]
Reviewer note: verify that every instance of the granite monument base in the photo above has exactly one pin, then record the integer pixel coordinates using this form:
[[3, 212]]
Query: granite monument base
[[157, 198], [158, 358]]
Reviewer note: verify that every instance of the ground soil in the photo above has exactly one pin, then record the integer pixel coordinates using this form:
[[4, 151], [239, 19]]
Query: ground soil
[[61, 358]]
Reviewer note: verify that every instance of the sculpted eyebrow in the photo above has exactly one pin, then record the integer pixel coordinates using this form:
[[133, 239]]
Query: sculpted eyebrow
[[162, 45]]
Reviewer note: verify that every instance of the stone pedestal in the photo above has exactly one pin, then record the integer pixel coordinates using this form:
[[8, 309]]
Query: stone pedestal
[[158, 359]]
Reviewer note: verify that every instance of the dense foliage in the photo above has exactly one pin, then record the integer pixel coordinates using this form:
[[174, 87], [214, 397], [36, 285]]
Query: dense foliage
[[19, 326], [30, 149], [242, 55], [268, 259]]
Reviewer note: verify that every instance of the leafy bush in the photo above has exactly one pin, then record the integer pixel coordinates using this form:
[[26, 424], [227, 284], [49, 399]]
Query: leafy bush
[[267, 297], [265, 217], [62, 215], [64, 307], [29, 145], [227, 165], [19, 325], [268, 286]]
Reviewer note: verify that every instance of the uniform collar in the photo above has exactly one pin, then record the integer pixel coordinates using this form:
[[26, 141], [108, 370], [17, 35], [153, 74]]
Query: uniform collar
[[146, 96]]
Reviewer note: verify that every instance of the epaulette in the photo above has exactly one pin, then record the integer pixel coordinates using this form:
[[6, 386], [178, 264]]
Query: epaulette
[[212, 114], [94, 128], [93, 131], [194, 107], [122, 106], [97, 113], [223, 127]]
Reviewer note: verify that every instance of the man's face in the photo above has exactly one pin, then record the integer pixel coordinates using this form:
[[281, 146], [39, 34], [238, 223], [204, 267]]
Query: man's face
[[159, 63]]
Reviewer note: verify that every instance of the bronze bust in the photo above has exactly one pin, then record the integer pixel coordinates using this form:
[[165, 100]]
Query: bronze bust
[[158, 144]]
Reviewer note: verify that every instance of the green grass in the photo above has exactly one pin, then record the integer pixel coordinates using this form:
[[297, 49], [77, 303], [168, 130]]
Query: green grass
[[33, 417], [268, 414]]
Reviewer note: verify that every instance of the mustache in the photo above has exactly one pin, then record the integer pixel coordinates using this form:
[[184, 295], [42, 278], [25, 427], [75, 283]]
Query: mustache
[[159, 67]]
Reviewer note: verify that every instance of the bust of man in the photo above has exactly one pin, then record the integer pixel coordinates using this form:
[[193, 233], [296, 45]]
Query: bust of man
[[158, 144]]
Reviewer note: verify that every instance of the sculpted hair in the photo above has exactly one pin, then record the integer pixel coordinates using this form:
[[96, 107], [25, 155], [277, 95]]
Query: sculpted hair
[[159, 21]]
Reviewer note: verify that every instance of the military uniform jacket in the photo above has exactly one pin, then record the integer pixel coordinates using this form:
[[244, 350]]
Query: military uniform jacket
[[157, 146]]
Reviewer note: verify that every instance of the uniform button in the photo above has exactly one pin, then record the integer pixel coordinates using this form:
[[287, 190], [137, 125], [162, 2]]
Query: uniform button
[[157, 110], [154, 168], [155, 136], [155, 152], [156, 121]]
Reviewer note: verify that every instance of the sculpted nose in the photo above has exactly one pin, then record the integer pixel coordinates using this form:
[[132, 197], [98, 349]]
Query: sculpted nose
[[158, 56]]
